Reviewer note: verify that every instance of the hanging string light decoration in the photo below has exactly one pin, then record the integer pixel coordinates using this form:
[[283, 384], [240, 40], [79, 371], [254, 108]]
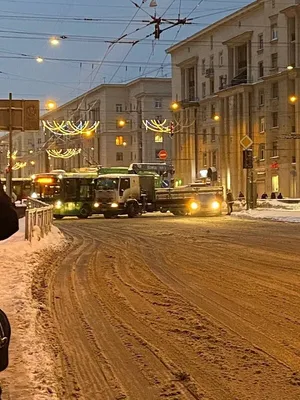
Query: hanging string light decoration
[[157, 126], [19, 165], [14, 154], [70, 128], [65, 154]]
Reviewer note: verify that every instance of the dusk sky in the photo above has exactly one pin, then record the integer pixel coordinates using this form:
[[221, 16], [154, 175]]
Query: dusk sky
[[75, 65]]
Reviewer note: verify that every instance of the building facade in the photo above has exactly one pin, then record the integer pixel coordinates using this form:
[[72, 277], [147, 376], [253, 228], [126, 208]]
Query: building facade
[[241, 76], [115, 143]]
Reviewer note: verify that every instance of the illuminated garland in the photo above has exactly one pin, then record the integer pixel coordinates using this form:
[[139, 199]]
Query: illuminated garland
[[14, 154], [157, 126], [70, 128], [63, 153], [18, 165]]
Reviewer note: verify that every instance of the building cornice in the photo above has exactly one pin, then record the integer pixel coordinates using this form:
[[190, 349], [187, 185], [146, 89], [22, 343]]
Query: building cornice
[[250, 7]]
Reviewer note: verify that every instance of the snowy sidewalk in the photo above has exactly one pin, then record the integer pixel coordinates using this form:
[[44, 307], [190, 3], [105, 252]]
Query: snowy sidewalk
[[29, 375]]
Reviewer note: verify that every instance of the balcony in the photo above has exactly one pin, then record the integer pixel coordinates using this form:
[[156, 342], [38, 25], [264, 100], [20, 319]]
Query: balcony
[[240, 78], [210, 72], [190, 102]]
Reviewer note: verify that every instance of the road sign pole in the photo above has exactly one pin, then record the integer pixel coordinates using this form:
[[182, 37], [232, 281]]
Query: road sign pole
[[10, 149]]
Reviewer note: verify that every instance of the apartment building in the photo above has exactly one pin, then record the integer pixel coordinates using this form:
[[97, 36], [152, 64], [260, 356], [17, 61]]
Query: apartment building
[[241, 76], [115, 144]]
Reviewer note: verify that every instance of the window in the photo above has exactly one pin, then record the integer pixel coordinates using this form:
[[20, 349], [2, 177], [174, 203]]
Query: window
[[212, 111], [262, 124], [119, 156], [203, 66], [274, 61], [159, 138], [124, 185], [85, 189], [260, 69], [274, 32], [275, 149], [212, 86], [119, 140], [204, 113], [214, 159], [261, 151], [211, 42], [158, 103], [119, 108], [221, 59], [222, 81], [204, 136], [191, 84], [273, 3], [275, 90], [213, 134], [70, 189], [203, 89], [261, 97], [204, 159], [260, 41], [39, 141], [274, 119], [211, 62]]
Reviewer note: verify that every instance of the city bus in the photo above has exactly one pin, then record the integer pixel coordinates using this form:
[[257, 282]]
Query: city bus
[[163, 171], [21, 187], [71, 194]]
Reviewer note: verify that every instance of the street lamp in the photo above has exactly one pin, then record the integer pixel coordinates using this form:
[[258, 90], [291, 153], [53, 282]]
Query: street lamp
[[50, 105], [121, 123], [175, 106], [289, 67], [293, 98], [39, 59], [54, 41], [216, 118]]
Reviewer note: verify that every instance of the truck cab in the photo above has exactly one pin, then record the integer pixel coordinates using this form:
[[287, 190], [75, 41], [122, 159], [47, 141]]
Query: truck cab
[[117, 194]]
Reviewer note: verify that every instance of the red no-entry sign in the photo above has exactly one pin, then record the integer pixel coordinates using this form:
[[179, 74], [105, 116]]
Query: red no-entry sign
[[163, 155]]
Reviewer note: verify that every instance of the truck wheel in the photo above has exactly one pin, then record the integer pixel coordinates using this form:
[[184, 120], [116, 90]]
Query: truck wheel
[[58, 216], [84, 212], [132, 210]]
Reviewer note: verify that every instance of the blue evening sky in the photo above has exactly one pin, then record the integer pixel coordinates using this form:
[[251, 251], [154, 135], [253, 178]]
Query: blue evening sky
[[76, 66]]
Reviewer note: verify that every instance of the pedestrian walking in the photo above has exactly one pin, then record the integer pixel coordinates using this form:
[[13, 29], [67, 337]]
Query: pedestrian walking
[[229, 201], [9, 222]]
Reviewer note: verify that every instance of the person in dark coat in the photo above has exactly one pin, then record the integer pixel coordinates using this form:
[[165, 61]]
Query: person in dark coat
[[264, 196], [279, 196], [9, 222], [229, 201], [273, 195]]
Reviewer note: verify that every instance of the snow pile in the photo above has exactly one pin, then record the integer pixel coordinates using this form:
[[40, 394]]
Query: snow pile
[[281, 215], [289, 204], [30, 373]]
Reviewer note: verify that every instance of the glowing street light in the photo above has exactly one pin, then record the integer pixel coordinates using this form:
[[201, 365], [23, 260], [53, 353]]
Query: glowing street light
[[54, 41], [32, 162], [121, 123], [216, 118], [175, 106], [293, 99], [88, 133], [50, 105], [289, 67], [39, 59]]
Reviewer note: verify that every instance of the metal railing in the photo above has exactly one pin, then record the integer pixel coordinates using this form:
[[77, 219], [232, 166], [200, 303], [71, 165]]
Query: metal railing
[[37, 214]]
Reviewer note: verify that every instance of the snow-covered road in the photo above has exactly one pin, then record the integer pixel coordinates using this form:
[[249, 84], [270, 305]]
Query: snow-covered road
[[177, 308], [30, 374]]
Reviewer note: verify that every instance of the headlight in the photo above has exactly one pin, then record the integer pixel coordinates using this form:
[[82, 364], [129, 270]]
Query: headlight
[[58, 204], [96, 205], [194, 205], [34, 195], [215, 205], [114, 205]]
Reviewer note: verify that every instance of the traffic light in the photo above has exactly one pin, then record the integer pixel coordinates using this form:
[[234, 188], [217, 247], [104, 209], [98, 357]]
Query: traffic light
[[247, 159]]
